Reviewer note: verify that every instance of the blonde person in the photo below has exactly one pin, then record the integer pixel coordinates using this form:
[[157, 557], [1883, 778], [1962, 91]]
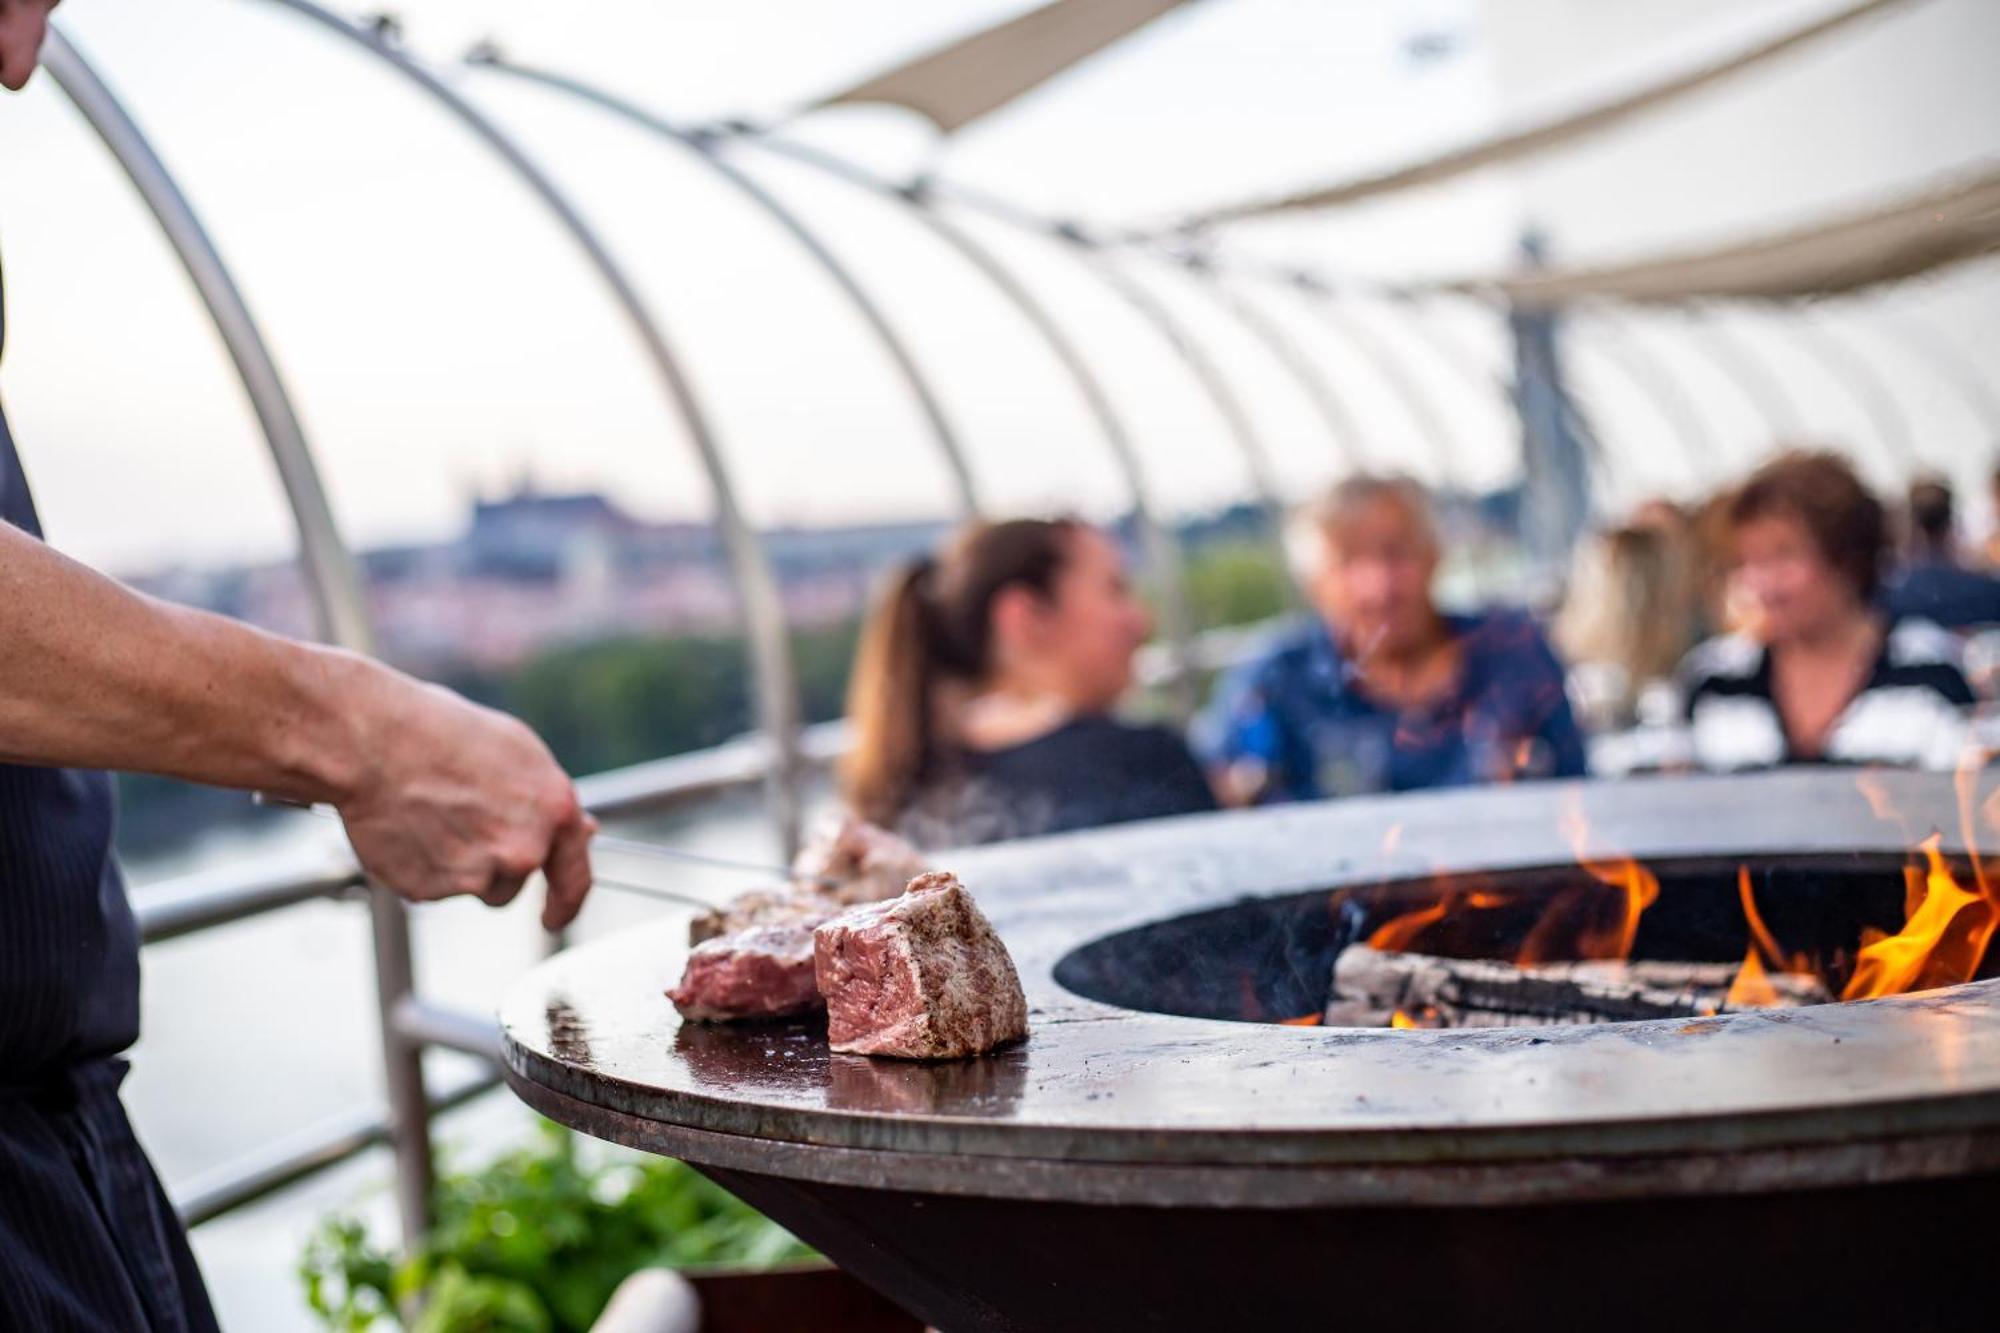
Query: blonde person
[[1627, 620]]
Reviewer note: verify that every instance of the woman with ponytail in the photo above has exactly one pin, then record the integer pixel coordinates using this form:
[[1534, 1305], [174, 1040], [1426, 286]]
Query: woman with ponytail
[[983, 689]]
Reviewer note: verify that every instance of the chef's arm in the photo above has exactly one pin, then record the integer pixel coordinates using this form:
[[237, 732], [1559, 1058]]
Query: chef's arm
[[439, 795]]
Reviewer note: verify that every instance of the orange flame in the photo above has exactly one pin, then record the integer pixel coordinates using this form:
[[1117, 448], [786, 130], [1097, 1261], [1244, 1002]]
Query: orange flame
[[1399, 1019], [1303, 1021], [1597, 930], [1752, 988], [1939, 945], [1399, 933]]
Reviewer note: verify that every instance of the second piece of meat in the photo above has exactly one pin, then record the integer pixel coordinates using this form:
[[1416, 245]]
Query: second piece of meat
[[764, 972], [921, 977]]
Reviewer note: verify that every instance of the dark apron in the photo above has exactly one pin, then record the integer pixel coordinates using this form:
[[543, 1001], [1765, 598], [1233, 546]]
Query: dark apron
[[87, 1240]]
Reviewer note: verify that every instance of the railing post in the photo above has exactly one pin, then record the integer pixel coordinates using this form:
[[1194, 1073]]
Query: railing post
[[331, 572], [776, 688]]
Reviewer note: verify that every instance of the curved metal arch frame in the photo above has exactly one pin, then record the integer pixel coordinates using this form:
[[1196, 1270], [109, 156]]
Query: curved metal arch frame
[[1669, 399], [776, 689], [1213, 382], [702, 147], [331, 571], [1325, 306], [1161, 549], [1341, 427], [1760, 386], [332, 575], [1857, 378], [1465, 364], [1923, 342]]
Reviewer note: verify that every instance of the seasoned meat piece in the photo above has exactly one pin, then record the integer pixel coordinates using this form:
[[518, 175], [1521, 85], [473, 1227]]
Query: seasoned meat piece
[[922, 977], [763, 907], [858, 862], [763, 972]]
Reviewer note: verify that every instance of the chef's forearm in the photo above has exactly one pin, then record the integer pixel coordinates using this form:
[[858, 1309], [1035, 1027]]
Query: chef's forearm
[[94, 675]]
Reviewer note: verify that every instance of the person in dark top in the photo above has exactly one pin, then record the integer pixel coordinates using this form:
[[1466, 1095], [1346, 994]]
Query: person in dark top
[[1819, 675], [983, 689], [1933, 583], [1380, 691], [439, 797]]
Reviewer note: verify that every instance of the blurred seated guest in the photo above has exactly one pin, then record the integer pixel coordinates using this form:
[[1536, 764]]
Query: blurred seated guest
[[1380, 691], [1627, 620], [983, 689], [1819, 675], [1932, 583]]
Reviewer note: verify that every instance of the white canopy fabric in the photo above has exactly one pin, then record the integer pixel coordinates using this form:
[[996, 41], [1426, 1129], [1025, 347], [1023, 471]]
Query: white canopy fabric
[[958, 83], [1510, 145], [1948, 224]]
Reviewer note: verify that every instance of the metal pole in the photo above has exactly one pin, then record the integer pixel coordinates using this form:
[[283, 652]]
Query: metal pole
[[1430, 427], [1340, 423], [331, 573], [865, 305], [1161, 550], [775, 681], [1249, 442], [1486, 379], [329, 565]]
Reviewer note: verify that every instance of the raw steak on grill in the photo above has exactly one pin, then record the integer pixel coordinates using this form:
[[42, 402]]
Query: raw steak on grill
[[763, 907], [858, 862], [763, 972], [921, 977]]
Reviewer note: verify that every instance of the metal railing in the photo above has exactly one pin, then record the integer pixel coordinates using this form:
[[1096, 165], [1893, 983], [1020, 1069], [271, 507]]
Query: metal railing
[[190, 904]]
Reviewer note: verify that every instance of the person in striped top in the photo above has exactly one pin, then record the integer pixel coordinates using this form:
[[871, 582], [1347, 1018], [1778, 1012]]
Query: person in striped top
[[1817, 674]]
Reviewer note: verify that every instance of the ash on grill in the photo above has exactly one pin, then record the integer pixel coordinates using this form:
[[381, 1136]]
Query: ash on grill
[[1374, 988]]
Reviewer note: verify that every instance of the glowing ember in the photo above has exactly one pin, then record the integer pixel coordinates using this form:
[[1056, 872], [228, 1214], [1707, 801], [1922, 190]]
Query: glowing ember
[[1302, 1021]]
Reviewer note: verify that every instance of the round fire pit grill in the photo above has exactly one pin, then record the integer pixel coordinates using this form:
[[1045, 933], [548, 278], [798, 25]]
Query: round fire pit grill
[[1156, 1170]]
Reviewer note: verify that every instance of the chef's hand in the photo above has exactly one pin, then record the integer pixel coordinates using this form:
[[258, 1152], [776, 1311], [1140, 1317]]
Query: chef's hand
[[451, 798]]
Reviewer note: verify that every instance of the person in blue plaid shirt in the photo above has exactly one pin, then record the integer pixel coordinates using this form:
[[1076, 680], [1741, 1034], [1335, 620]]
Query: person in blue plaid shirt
[[1380, 691]]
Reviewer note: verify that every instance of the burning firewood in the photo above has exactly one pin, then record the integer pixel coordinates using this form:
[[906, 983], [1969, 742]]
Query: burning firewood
[[1373, 988]]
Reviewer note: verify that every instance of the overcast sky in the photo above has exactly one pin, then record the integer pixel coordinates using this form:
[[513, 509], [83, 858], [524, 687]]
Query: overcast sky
[[440, 336]]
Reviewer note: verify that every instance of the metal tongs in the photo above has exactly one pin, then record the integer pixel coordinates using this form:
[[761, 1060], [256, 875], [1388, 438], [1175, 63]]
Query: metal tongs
[[606, 842]]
